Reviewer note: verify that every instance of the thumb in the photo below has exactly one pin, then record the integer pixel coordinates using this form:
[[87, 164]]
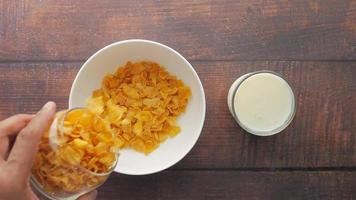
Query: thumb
[[89, 196], [24, 151]]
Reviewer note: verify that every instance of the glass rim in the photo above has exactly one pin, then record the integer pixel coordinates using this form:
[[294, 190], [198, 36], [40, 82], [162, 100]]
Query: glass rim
[[269, 132]]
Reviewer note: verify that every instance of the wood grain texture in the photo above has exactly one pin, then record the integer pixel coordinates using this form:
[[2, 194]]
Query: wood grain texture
[[200, 30], [43, 44], [232, 185], [321, 135]]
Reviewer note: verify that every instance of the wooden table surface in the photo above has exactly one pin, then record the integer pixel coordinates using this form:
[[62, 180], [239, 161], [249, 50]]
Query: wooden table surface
[[43, 43]]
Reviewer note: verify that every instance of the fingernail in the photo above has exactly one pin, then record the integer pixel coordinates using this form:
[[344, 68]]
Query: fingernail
[[48, 105]]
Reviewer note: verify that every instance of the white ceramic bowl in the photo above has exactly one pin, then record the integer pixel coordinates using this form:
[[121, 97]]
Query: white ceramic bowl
[[107, 60]]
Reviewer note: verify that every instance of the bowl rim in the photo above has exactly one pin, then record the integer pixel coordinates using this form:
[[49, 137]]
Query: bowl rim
[[201, 88]]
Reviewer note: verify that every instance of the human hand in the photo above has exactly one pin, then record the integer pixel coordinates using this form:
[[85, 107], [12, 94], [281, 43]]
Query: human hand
[[19, 138]]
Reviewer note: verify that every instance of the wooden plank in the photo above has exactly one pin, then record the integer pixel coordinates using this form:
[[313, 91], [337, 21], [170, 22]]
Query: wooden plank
[[232, 185], [25, 87], [321, 135], [200, 30]]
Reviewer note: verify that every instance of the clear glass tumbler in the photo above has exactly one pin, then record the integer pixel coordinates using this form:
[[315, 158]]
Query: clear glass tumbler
[[264, 95], [76, 155]]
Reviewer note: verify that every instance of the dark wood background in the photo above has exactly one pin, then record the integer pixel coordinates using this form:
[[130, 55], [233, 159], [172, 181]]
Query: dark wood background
[[43, 43]]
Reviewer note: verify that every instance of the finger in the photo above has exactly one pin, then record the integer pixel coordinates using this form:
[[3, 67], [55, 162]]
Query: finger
[[25, 148], [4, 146], [9, 143], [14, 124], [8, 127], [89, 196]]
